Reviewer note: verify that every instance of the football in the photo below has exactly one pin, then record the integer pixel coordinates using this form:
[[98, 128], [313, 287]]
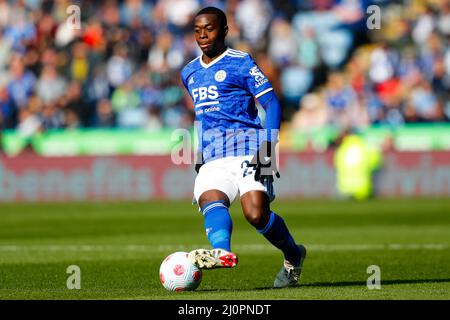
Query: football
[[177, 273]]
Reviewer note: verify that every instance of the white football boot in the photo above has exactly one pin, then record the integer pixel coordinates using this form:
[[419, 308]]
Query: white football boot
[[212, 258]]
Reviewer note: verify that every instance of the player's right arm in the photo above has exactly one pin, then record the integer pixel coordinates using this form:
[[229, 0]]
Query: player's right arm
[[199, 157]]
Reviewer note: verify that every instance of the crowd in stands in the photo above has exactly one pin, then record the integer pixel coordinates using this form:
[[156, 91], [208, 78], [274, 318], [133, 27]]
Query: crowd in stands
[[119, 67], [401, 74]]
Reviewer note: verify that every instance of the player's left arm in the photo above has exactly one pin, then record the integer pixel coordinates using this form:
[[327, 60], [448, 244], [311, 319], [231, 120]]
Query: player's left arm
[[259, 86], [265, 159], [269, 101]]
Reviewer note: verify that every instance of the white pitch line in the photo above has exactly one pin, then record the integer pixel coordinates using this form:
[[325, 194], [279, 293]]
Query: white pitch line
[[237, 248]]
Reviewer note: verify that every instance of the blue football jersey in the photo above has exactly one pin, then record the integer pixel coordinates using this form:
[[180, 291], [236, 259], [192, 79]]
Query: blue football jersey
[[224, 93]]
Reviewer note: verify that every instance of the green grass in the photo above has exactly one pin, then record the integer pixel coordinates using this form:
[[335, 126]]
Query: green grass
[[119, 247]]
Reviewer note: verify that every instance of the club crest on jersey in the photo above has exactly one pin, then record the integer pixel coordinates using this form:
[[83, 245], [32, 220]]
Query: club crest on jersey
[[220, 75], [260, 78]]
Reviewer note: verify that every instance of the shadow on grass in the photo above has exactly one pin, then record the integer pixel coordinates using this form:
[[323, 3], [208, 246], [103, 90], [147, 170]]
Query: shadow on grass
[[363, 283], [337, 284]]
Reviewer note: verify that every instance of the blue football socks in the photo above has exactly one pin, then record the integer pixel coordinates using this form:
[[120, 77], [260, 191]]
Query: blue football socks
[[278, 234], [218, 225]]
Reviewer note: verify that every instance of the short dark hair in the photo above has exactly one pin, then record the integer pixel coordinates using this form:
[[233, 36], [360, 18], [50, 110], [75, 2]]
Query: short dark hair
[[221, 16]]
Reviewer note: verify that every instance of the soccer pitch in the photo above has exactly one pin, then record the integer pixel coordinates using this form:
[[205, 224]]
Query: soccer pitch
[[119, 247]]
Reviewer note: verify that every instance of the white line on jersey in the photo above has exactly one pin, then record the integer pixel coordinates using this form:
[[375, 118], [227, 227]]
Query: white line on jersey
[[263, 92], [209, 103]]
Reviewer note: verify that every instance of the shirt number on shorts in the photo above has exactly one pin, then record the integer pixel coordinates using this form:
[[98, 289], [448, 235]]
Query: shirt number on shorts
[[247, 169]]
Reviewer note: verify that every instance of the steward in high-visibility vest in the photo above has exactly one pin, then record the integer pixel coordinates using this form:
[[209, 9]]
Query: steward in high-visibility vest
[[356, 161]]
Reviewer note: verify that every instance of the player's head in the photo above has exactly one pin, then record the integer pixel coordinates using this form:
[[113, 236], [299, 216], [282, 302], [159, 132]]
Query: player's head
[[210, 28]]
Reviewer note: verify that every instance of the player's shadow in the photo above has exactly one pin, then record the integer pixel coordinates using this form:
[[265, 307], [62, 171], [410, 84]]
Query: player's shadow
[[363, 283], [337, 284], [233, 290]]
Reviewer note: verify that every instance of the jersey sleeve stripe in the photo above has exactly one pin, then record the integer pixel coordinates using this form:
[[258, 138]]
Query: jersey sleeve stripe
[[262, 93], [238, 52], [235, 55]]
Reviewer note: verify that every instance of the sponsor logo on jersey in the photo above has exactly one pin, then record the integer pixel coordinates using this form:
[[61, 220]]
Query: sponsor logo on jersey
[[191, 80], [212, 109], [220, 75], [203, 93], [260, 78], [199, 112]]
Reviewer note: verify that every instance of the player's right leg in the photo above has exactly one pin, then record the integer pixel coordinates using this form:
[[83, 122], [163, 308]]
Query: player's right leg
[[218, 226], [214, 191]]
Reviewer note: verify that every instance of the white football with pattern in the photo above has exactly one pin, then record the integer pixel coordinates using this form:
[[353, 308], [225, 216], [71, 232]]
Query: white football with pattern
[[177, 273]]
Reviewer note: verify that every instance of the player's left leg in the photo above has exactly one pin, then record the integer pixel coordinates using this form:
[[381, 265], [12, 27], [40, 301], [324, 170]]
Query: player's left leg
[[256, 208]]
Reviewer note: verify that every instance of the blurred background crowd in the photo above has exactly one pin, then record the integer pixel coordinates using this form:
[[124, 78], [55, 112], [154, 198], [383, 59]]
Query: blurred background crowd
[[120, 69]]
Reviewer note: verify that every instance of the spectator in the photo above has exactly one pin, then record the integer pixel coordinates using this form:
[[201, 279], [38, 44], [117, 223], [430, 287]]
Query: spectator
[[20, 31], [343, 106], [97, 85], [282, 46], [125, 103], [312, 114], [7, 112], [21, 82], [79, 67], [50, 85], [75, 105], [423, 105], [29, 123], [253, 17], [382, 65], [125, 97], [153, 122], [132, 10], [119, 67], [105, 117]]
